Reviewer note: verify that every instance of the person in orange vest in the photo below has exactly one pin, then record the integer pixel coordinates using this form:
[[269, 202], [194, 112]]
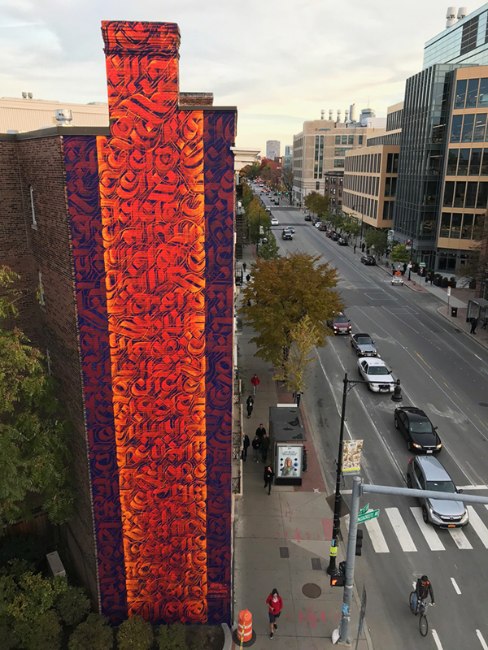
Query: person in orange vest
[[275, 605]]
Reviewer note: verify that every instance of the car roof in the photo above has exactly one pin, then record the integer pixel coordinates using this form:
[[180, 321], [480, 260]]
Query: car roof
[[361, 334], [373, 361], [432, 468]]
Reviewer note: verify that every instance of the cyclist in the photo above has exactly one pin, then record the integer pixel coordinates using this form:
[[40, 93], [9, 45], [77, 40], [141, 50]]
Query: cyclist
[[423, 588]]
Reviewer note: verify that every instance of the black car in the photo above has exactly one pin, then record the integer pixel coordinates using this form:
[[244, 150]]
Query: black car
[[363, 345], [417, 429], [308, 217], [342, 241], [340, 323], [368, 260], [286, 234]]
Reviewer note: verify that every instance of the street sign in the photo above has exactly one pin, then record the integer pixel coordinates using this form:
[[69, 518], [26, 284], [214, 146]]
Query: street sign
[[372, 514], [364, 510]]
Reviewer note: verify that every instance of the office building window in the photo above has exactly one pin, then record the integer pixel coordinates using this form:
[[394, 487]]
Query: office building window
[[452, 160], [475, 162], [445, 224], [350, 139], [470, 33], [463, 162], [484, 163], [483, 94], [360, 139], [455, 226], [470, 201], [479, 127], [467, 227], [482, 196], [344, 139], [472, 94], [459, 192], [338, 139], [460, 93], [468, 126]]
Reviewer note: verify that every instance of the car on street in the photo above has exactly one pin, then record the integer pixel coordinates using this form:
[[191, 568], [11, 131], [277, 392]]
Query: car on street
[[427, 473], [397, 279], [274, 221], [317, 224], [419, 432], [340, 323], [308, 217], [368, 260], [342, 241], [286, 234], [374, 371], [363, 345]]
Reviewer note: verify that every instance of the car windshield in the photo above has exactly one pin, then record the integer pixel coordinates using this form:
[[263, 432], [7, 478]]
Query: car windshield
[[341, 319], [422, 426], [440, 486], [378, 370], [363, 340]]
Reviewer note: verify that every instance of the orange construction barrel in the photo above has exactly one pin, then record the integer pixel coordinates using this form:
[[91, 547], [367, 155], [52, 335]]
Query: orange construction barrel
[[244, 626]]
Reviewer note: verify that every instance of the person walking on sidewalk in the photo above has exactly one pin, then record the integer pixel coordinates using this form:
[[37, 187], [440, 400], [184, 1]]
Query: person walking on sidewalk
[[256, 443], [275, 605], [474, 324], [264, 448], [245, 445], [261, 431], [268, 477], [255, 381], [249, 405]]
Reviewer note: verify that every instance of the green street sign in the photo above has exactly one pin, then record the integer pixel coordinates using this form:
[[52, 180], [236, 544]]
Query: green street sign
[[364, 510], [372, 514]]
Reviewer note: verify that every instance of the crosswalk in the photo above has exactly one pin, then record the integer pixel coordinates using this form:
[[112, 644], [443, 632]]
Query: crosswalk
[[407, 530]]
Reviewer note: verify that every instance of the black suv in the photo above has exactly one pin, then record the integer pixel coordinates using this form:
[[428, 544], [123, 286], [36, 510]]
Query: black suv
[[417, 429]]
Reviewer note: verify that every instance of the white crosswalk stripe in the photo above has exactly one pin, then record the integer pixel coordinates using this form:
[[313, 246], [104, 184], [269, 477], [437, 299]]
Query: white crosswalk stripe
[[460, 539], [377, 538], [401, 530], [478, 526], [431, 537]]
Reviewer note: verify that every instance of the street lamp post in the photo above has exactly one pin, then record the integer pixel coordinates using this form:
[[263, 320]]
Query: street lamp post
[[396, 397]]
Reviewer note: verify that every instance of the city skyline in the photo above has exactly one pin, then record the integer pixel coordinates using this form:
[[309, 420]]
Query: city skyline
[[270, 61]]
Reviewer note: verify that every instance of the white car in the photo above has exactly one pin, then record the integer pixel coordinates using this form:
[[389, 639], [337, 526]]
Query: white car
[[397, 280], [274, 221], [378, 376]]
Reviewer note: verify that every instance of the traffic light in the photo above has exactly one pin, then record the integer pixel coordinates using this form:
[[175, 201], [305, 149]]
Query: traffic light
[[337, 580], [359, 541]]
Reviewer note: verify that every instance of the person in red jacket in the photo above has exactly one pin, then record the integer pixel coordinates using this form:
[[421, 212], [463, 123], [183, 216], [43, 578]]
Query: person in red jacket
[[275, 605]]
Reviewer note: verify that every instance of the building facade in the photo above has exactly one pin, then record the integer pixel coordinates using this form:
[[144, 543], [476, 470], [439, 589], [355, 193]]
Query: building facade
[[124, 239], [273, 148]]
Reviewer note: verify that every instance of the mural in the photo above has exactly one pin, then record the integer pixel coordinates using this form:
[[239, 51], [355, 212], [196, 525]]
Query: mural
[[151, 214]]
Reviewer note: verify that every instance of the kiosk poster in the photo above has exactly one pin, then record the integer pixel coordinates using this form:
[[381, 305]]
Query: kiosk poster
[[351, 456], [289, 461]]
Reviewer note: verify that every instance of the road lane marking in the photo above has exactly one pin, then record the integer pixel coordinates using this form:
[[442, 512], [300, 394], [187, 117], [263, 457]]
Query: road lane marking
[[478, 526], [431, 537], [437, 640], [460, 539], [377, 538], [401, 530], [472, 487], [456, 588], [484, 645]]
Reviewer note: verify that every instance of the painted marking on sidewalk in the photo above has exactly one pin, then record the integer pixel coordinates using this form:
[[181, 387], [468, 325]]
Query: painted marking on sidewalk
[[460, 539], [401, 530], [437, 641], [377, 538], [478, 526], [431, 537], [484, 645], [456, 588]]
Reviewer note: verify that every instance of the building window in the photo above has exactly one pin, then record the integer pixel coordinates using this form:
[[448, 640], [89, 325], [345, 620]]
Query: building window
[[338, 139], [471, 189], [460, 93], [317, 185], [468, 126], [463, 162], [445, 225], [467, 227], [344, 139], [483, 94], [457, 123], [479, 127], [472, 95], [350, 139], [40, 291], [452, 160], [33, 207], [470, 33], [482, 196], [360, 139], [475, 162]]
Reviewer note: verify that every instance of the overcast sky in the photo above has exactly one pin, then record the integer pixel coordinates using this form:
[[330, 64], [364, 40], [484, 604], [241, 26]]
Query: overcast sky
[[279, 61]]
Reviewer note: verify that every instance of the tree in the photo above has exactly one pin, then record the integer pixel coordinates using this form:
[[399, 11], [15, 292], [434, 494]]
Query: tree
[[135, 634], [304, 336], [281, 292], [172, 637], [378, 240], [269, 249], [251, 171], [94, 633], [399, 253], [317, 203], [73, 605], [257, 220], [33, 436]]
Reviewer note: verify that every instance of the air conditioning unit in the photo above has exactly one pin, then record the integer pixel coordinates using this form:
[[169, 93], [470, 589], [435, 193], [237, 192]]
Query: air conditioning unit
[[63, 115], [55, 564]]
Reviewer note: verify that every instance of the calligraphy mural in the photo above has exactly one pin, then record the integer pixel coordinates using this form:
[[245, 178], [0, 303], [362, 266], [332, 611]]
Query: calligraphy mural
[[152, 234]]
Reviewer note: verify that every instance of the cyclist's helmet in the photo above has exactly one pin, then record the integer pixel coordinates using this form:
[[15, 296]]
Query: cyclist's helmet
[[424, 579]]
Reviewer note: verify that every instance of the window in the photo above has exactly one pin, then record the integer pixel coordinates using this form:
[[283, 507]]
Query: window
[[472, 95], [463, 162], [360, 139], [460, 93], [475, 162], [482, 196], [448, 193], [479, 127], [484, 163], [457, 122], [445, 224], [483, 94], [452, 160], [470, 201], [456, 226], [468, 128], [467, 227], [33, 207], [344, 139], [350, 139], [338, 139], [459, 194]]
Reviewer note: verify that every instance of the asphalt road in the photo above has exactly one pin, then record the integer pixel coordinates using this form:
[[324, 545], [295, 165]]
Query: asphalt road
[[446, 374]]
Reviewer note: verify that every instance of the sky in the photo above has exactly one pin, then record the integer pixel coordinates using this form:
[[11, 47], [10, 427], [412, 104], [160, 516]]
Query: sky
[[280, 62]]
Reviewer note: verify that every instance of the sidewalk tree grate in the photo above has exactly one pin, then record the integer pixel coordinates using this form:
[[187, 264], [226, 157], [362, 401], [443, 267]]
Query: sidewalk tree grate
[[284, 551], [311, 590], [316, 564]]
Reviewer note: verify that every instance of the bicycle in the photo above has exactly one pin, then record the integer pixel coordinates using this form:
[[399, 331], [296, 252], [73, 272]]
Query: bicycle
[[419, 607]]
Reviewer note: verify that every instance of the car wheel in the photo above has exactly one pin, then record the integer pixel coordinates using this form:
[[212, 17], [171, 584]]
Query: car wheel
[[424, 515]]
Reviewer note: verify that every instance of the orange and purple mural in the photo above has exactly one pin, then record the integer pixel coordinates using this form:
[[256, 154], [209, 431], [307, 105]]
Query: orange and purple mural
[[151, 212]]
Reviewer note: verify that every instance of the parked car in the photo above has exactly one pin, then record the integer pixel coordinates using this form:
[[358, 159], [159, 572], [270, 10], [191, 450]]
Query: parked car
[[375, 372], [317, 224], [427, 473], [286, 234], [335, 236], [419, 432], [363, 345], [308, 217], [274, 221], [397, 279], [368, 260], [322, 226], [340, 323], [342, 241]]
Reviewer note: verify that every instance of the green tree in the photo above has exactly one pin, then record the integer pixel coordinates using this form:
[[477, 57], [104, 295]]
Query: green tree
[[269, 249], [172, 637], [43, 633], [351, 226], [73, 605], [33, 437], [95, 633], [257, 220], [399, 253], [378, 239], [135, 634], [317, 203], [281, 292], [304, 337], [251, 171]]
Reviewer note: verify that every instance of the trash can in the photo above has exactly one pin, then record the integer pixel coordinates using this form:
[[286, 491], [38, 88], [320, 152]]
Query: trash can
[[454, 312]]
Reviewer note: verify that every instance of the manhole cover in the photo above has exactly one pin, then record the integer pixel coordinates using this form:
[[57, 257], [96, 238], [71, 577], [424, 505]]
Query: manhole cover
[[311, 590]]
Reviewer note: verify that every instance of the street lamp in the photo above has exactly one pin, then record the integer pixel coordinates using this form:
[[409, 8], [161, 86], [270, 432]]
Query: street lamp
[[348, 384]]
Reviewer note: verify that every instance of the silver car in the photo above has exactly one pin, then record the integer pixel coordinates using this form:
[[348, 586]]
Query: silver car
[[363, 345], [427, 473]]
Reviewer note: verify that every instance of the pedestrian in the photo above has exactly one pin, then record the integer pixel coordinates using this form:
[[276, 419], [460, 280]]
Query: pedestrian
[[261, 431], [363, 246], [255, 381], [248, 277], [256, 443], [474, 324], [354, 249], [250, 405], [244, 266], [275, 605], [245, 445], [268, 477], [264, 448]]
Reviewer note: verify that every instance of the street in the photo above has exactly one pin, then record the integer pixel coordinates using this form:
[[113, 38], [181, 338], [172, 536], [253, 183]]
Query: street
[[443, 372]]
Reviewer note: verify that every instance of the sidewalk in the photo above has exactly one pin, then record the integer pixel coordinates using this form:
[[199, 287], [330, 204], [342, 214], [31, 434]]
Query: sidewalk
[[282, 540]]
